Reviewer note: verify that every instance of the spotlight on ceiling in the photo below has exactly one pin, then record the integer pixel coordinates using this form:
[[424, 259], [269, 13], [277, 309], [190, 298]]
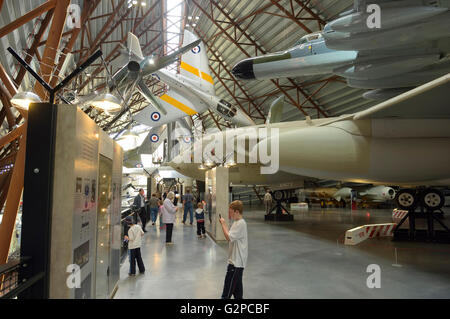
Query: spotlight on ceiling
[[128, 140], [229, 164], [209, 164], [107, 102], [22, 100]]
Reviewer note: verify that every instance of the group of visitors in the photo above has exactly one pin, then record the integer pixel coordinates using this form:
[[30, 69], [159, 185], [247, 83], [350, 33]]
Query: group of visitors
[[236, 235]]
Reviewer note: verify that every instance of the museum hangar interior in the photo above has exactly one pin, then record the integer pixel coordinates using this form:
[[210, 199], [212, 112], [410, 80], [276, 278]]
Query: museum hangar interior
[[327, 121]]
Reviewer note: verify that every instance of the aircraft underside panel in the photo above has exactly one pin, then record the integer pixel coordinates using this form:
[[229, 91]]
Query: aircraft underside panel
[[386, 67], [176, 106], [403, 80]]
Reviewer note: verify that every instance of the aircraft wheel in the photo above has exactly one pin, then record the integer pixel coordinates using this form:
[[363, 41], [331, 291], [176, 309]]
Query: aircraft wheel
[[406, 199], [432, 199]]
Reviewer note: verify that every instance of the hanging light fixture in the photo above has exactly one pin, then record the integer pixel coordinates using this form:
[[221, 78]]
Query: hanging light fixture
[[209, 163], [128, 140], [22, 100], [107, 102], [230, 164]]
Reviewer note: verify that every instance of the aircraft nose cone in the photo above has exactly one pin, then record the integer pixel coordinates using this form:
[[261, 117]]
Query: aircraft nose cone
[[244, 70]]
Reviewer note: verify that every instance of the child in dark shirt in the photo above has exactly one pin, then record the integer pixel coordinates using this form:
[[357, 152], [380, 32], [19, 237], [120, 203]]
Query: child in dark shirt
[[200, 216]]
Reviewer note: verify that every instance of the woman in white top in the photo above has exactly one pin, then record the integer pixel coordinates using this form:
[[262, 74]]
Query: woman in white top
[[168, 214]]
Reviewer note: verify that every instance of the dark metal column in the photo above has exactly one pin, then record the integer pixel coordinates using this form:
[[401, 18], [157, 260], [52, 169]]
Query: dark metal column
[[38, 195]]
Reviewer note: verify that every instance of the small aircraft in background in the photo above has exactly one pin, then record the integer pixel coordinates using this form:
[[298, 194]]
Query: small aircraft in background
[[372, 194]]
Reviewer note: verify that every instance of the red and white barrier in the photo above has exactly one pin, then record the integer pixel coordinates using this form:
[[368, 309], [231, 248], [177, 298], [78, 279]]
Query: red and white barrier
[[355, 236], [380, 230], [359, 234], [398, 215]]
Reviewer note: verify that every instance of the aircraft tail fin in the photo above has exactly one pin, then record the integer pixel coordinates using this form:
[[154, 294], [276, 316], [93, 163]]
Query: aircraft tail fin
[[134, 46], [195, 65], [276, 111]]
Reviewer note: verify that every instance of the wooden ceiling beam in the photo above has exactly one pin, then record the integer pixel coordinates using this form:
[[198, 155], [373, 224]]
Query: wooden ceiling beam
[[87, 12], [53, 40], [32, 50], [27, 17]]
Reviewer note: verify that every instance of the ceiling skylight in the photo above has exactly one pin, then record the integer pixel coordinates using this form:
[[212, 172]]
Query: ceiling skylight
[[174, 16]]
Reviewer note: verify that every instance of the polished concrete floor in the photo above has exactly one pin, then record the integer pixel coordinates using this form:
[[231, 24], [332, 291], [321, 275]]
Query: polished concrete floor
[[300, 259]]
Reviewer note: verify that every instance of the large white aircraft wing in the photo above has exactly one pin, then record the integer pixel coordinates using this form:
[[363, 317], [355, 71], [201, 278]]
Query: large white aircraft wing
[[426, 101]]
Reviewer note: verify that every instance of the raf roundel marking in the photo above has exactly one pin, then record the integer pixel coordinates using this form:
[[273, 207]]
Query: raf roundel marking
[[187, 139], [155, 116], [196, 50], [154, 138]]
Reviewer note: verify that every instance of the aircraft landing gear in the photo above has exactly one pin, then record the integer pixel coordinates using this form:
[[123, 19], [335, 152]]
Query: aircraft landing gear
[[430, 201], [429, 198], [406, 199], [279, 215]]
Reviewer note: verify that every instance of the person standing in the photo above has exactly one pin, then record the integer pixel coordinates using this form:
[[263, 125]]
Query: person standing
[[168, 212], [237, 251], [200, 217], [209, 205], [153, 203], [160, 206], [134, 238], [175, 201], [139, 204], [188, 200], [268, 201]]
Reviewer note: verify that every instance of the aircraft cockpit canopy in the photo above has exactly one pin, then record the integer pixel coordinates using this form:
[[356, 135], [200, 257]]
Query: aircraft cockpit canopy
[[309, 38], [226, 108]]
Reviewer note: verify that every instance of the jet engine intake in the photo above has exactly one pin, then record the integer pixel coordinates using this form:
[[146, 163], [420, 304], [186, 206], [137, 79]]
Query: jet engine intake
[[133, 66], [388, 193]]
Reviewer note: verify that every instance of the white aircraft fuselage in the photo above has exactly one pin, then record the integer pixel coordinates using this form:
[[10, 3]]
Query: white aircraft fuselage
[[404, 152], [379, 151]]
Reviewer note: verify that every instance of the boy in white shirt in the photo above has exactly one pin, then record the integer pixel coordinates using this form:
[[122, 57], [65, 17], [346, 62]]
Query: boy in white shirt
[[237, 251], [134, 238]]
